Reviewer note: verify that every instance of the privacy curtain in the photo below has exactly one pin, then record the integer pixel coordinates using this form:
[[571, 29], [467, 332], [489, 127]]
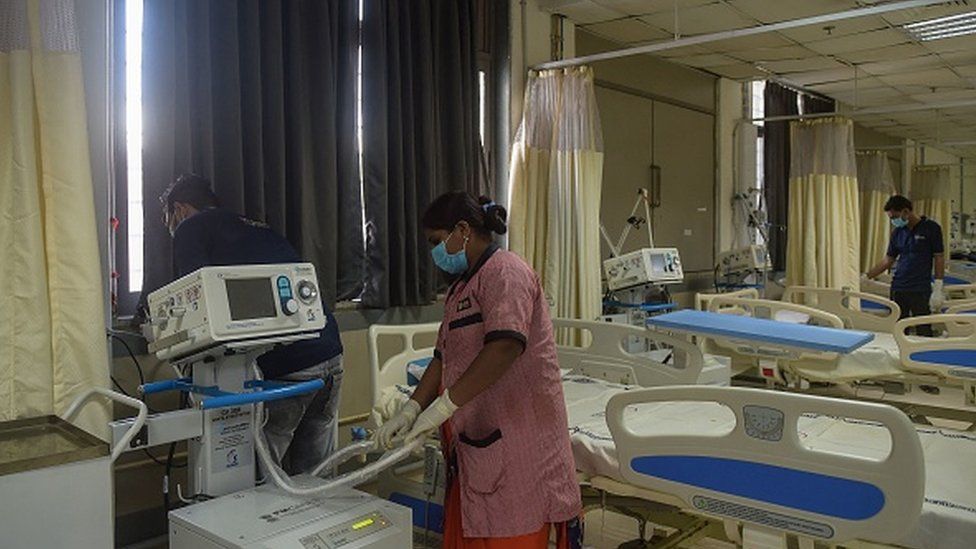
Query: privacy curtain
[[876, 186], [823, 248], [258, 96], [932, 196], [52, 338], [777, 101], [420, 135], [556, 179]]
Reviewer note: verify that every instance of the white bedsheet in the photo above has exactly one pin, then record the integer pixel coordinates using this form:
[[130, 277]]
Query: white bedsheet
[[948, 515]]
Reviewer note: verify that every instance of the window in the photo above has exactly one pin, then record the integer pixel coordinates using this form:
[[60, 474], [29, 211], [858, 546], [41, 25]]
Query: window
[[133, 143], [128, 238]]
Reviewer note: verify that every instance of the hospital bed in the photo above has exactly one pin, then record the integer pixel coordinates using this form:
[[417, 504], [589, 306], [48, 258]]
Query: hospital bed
[[878, 357], [878, 365], [756, 466]]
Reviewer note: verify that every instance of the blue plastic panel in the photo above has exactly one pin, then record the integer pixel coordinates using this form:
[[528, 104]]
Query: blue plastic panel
[[948, 357], [873, 306], [952, 281], [793, 488], [420, 509], [798, 336]]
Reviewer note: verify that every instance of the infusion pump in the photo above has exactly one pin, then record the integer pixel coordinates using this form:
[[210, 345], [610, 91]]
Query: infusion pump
[[646, 266], [214, 305]]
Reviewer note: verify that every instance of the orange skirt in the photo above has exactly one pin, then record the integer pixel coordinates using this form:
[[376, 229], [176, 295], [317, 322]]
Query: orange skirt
[[568, 534]]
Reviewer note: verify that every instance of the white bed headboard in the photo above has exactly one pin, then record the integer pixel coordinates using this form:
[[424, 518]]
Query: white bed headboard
[[606, 358], [850, 306], [702, 300], [761, 474]]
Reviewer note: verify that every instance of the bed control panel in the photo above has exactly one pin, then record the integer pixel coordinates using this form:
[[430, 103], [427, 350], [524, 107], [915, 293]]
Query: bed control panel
[[763, 423]]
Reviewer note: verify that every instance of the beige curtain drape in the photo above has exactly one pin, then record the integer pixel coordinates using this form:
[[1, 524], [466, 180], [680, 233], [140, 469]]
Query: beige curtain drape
[[823, 231], [932, 196], [556, 178], [876, 186], [52, 333]]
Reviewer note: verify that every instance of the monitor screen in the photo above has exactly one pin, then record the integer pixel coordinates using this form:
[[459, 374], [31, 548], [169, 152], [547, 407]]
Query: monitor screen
[[250, 298]]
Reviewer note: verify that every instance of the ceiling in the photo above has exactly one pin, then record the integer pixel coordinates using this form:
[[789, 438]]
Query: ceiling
[[865, 62]]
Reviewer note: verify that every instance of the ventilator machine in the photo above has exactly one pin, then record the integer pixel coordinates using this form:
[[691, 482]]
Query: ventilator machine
[[211, 325]]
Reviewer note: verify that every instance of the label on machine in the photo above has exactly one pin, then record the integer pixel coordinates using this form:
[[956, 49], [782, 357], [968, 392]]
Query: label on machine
[[233, 445]]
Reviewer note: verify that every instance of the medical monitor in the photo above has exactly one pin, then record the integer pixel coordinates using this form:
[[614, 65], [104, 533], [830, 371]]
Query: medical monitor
[[215, 305]]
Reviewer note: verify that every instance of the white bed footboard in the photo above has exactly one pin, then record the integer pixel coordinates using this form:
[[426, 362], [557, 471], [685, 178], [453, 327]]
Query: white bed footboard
[[605, 357], [761, 474], [858, 310]]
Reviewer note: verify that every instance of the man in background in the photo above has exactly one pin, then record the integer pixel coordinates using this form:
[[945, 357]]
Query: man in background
[[916, 244], [299, 430]]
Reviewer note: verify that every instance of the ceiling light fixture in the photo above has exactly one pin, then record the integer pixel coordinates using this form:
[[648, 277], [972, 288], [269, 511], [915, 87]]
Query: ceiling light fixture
[[943, 27]]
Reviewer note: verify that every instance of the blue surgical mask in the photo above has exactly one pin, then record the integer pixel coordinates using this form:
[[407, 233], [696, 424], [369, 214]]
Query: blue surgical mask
[[899, 222], [455, 263]]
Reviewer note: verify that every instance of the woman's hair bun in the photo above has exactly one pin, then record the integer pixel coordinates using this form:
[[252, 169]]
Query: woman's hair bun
[[496, 216]]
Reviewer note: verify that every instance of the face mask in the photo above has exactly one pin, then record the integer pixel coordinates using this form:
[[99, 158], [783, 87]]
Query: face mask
[[899, 222], [456, 263]]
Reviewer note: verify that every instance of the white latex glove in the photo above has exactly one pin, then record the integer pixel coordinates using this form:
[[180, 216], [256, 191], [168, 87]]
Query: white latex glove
[[436, 414], [938, 299], [398, 425]]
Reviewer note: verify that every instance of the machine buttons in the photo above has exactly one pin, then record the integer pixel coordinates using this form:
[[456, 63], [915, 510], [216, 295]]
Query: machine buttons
[[307, 291], [288, 304]]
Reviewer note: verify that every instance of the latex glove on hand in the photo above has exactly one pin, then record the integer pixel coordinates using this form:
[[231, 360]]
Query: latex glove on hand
[[938, 298], [436, 414], [398, 425]]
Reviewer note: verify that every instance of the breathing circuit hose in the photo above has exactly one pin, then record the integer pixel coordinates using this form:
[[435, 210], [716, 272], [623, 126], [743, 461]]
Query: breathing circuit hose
[[353, 478]]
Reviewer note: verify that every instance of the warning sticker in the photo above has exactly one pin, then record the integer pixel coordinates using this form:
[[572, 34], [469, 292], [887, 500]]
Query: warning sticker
[[233, 444]]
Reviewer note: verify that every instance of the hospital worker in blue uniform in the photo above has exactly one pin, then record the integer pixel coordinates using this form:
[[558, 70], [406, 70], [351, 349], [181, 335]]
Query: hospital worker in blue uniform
[[299, 430], [916, 244]]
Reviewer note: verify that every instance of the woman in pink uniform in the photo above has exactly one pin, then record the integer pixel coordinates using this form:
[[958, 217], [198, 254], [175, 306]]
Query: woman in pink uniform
[[494, 390]]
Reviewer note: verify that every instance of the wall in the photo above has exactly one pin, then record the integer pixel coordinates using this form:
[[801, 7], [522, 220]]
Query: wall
[[728, 113], [644, 77]]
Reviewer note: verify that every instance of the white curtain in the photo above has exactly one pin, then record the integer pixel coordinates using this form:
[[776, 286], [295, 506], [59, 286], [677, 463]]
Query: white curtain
[[876, 186], [52, 333], [556, 178], [932, 196], [823, 232]]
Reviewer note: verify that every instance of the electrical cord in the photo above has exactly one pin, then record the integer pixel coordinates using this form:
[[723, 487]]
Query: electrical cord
[[135, 361]]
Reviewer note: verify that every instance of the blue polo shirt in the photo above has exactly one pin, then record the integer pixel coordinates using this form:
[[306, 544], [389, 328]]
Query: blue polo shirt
[[915, 249], [217, 237]]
